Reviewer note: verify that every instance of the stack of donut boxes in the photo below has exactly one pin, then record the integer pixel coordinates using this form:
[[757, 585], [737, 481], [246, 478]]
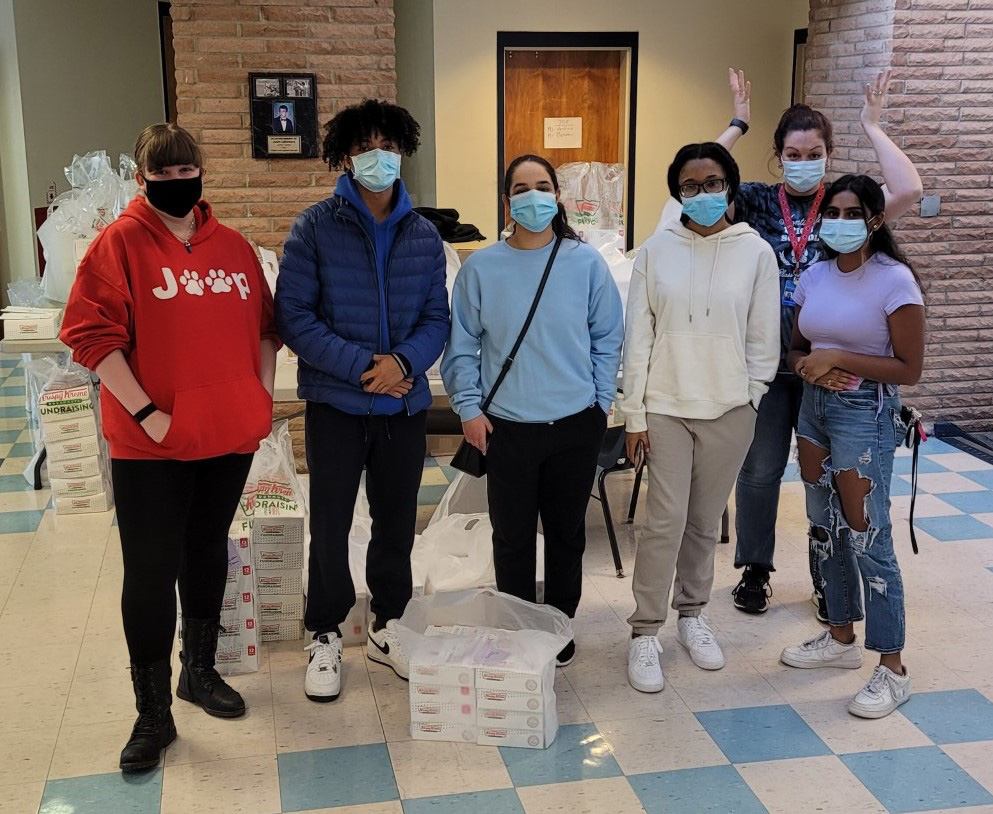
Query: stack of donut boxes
[[76, 454], [263, 599]]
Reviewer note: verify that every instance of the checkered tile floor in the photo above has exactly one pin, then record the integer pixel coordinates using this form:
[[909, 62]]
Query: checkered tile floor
[[753, 737]]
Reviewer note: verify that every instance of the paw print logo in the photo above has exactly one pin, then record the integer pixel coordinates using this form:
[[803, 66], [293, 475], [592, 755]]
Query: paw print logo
[[191, 281], [219, 281]]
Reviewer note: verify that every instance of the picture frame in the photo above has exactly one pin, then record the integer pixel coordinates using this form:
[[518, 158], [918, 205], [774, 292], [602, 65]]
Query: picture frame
[[283, 108]]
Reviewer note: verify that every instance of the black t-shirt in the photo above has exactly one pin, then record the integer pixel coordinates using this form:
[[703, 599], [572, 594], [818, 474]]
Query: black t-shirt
[[757, 205]]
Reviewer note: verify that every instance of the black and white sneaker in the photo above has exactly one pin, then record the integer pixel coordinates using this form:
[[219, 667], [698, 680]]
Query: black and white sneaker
[[751, 595], [323, 681], [819, 602], [566, 655], [384, 647]]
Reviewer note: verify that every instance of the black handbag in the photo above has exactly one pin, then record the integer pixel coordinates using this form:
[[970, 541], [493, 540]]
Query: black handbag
[[468, 458]]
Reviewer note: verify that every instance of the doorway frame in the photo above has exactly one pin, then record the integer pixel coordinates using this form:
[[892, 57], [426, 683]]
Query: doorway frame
[[573, 40]]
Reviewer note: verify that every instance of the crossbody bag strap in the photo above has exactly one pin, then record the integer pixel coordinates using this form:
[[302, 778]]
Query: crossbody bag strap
[[527, 324]]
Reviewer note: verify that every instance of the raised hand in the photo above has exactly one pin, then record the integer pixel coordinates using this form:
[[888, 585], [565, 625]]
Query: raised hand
[[875, 99]]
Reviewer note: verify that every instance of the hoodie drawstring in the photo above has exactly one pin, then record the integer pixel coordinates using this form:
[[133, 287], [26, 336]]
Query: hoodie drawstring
[[713, 272]]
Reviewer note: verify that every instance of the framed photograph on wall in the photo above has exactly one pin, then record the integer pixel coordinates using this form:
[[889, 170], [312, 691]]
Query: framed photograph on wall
[[284, 115]]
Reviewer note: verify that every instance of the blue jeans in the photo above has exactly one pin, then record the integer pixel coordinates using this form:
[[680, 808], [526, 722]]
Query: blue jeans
[[860, 431], [757, 494]]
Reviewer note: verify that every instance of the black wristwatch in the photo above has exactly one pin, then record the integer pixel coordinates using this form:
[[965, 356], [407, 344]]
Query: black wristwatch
[[743, 126]]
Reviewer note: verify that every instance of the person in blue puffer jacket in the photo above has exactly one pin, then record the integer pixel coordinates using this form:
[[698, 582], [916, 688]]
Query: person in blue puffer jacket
[[361, 300]]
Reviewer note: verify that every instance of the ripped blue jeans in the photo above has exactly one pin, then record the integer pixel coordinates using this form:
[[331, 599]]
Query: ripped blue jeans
[[860, 430]]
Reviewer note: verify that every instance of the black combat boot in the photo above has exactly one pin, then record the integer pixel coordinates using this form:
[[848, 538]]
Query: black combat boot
[[199, 682], [154, 730]]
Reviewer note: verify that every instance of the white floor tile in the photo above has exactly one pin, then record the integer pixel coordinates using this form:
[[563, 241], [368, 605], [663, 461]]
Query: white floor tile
[[613, 794], [660, 743], [822, 784], [244, 786], [427, 769]]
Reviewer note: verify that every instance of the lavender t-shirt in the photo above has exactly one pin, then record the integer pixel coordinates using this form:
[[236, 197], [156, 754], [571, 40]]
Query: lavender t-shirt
[[848, 311]]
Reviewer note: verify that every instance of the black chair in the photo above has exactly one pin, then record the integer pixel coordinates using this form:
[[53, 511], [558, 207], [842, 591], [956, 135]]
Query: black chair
[[613, 458]]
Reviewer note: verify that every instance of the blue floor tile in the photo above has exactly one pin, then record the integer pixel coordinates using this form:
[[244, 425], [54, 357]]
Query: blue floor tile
[[450, 472], [754, 734], [13, 483], [900, 488], [984, 478], [12, 412], [504, 801], [970, 502], [955, 716], [958, 527], [12, 390], [696, 791], [792, 473], [25, 449], [919, 779], [431, 495], [936, 447], [103, 793], [9, 436], [324, 778], [20, 522], [904, 465], [578, 753], [13, 361]]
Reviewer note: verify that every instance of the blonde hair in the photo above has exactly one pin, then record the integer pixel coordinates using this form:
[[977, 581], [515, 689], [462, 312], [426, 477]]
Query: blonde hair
[[165, 145]]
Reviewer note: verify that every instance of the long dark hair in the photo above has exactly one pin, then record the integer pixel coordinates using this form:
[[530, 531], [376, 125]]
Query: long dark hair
[[560, 223], [873, 200]]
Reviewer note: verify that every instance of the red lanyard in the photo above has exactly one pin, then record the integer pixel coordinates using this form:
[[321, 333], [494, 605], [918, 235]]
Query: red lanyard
[[799, 244]]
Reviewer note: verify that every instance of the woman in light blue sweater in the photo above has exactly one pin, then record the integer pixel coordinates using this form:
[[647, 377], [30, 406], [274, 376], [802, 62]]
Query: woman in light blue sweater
[[543, 431]]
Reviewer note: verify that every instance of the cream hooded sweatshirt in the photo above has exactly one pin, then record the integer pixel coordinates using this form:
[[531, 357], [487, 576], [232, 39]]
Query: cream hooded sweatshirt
[[702, 332]]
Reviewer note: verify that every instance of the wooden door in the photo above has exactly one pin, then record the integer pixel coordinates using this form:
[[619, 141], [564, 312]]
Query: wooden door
[[540, 84]]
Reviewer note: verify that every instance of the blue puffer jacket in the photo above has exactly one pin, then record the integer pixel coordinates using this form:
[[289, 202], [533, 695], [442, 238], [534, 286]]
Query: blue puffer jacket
[[328, 303]]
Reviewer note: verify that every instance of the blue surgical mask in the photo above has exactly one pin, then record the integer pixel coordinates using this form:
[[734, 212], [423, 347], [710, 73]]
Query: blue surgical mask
[[534, 209], [844, 236], [804, 176], [706, 208], [376, 169]]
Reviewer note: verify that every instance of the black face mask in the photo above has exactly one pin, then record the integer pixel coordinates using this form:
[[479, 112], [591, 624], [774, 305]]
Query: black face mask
[[175, 197]]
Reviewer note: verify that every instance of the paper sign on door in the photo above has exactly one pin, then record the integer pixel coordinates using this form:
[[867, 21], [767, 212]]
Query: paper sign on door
[[563, 132]]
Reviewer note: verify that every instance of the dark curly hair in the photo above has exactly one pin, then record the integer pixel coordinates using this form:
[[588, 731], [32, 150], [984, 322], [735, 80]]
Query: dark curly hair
[[356, 124]]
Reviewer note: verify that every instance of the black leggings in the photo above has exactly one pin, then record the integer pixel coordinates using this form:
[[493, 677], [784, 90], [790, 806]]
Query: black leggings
[[174, 518]]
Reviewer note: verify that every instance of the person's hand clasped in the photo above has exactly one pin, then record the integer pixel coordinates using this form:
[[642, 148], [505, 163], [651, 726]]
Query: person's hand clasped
[[402, 389], [477, 432], [384, 377], [157, 425], [819, 368]]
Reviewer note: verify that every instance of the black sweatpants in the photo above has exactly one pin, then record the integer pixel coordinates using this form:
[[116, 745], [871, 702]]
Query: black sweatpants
[[174, 518], [339, 446], [546, 471]]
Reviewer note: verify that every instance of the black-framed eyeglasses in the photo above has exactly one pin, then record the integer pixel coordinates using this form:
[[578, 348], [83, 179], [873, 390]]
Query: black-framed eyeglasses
[[710, 186]]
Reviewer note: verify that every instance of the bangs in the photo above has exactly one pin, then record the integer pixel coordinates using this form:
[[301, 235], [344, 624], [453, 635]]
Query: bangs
[[166, 145]]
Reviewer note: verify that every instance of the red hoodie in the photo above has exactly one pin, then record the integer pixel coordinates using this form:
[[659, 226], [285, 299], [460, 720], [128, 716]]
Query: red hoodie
[[190, 324]]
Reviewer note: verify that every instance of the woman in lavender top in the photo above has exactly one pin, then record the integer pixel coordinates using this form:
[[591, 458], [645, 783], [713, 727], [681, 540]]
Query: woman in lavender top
[[859, 334]]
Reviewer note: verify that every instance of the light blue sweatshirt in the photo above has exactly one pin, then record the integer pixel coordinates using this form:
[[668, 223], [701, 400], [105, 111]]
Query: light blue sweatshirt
[[571, 353]]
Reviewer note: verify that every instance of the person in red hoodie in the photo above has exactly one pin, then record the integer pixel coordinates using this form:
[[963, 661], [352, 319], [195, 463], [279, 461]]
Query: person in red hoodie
[[172, 311]]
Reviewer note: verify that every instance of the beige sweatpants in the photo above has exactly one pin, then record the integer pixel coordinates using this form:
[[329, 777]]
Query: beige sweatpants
[[692, 469]]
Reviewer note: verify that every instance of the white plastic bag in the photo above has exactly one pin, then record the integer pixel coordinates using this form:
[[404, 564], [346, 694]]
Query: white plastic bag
[[460, 553], [464, 495], [452, 266], [611, 246], [535, 633], [593, 196]]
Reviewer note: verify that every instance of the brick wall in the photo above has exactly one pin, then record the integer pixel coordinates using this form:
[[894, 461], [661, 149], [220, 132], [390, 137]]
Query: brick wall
[[941, 114], [347, 44]]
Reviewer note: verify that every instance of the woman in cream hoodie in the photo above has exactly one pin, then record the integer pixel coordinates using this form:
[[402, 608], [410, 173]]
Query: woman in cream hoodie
[[702, 343]]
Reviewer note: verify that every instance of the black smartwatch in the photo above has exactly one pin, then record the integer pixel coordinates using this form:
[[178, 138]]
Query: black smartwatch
[[743, 126], [145, 412]]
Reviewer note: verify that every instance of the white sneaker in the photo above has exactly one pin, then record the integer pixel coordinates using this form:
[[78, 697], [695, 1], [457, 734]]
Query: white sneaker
[[644, 668], [882, 694], [384, 647], [700, 642], [323, 682], [823, 651]]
